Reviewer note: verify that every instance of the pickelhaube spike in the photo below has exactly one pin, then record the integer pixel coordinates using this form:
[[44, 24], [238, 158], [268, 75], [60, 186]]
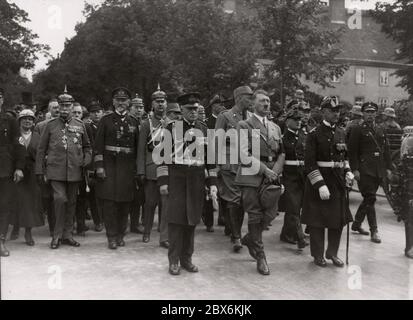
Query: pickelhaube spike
[[65, 90], [65, 97], [158, 94]]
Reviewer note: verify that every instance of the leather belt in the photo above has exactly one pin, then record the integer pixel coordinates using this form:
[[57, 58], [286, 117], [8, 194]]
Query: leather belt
[[296, 163], [119, 149], [331, 164]]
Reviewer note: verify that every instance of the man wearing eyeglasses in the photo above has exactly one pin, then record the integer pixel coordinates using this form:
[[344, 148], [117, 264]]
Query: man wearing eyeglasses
[[370, 161]]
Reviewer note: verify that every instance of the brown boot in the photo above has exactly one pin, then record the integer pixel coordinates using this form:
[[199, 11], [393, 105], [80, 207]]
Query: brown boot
[[262, 265]]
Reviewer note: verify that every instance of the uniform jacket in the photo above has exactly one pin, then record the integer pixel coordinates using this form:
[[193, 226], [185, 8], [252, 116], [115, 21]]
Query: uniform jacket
[[11, 152], [368, 150], [271, 152], [66, 147], [186, 177], [327, 144], [149, 136], [211, 122], [227, 122], [115, 150]]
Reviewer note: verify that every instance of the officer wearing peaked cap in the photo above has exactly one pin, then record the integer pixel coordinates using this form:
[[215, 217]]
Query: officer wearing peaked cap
[[294, 180], [230, 193], [150, 136], [369, 159], [63, 153], [182, 178], [325, 203], [115, 162]]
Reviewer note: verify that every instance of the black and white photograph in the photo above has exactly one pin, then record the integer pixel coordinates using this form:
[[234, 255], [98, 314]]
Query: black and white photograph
[[207, 155]]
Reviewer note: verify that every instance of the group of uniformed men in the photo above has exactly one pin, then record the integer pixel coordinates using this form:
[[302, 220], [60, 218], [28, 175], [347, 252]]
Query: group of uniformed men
[[122, 159]]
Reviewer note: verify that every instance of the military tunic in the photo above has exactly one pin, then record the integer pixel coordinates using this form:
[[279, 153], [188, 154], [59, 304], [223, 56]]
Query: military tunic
[[115, 151]]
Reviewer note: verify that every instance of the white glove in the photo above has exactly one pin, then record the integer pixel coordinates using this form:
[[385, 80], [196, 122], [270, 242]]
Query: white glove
[[349, 179], [282, 189], [163, 190], [213, 191], [324, 193]]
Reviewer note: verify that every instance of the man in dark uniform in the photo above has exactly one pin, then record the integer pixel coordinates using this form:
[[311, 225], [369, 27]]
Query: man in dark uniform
[[96, 209], [137, 110], [227, 143], [260, 143], [63, 153], [12, 161], [150, 136], [293, 180], [369, 158], [325, 202], [115, 162], [181, 176]]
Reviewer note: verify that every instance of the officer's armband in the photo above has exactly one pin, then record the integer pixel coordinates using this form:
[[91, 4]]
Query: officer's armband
[[162, 175]]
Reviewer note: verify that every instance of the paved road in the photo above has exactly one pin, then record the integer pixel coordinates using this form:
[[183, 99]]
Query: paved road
[[139, 271]]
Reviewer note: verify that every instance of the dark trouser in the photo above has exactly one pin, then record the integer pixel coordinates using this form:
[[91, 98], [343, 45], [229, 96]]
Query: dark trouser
[[152, 200], [95, 206], [236, 219], [181, 243], [137, 204], [48, 205], [115, 215], [317, 237], [408, 224], [64, 198], [5, 198], [208, 213], [81, 207], [368, 187]]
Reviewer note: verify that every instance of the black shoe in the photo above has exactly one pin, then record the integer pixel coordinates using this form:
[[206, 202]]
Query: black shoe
[[120, 243], [287, 239], [210, 229], [375, 237], [301, 244], [262, 265], [112, 245], [174, 269], [237, 246], [146, 238], [164, 244], [55, 244], [336, 261], [246, 242], [70, 242], [321, 262], [360, 230], [99, 227], [190, 267], [3, 250], [29, 240]]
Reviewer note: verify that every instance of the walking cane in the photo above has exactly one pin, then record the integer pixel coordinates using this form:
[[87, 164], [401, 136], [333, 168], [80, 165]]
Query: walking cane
[[348, 226]]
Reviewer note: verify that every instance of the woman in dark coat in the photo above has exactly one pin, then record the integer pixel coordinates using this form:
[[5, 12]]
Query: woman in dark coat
[[27, 202]]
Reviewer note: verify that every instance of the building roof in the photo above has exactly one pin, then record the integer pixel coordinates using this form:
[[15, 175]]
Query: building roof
[[368, 45]]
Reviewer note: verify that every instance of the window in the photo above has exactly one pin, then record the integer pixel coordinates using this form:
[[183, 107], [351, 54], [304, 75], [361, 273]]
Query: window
[[360, 76], [384, 102], [384, 78], [358, 101], [335, 79]]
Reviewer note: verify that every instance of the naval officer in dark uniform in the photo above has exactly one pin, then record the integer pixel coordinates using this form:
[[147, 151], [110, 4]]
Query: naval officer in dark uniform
[[325, 204], [182, 177], [370, 161], [115, 161]]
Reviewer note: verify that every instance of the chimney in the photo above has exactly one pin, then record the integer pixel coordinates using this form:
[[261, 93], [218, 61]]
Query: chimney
[[338, 11]]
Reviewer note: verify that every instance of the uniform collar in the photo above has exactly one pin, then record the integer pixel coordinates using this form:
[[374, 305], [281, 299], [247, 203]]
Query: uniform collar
[[122, 115], [262, 119], [189, 123], [292, 131]]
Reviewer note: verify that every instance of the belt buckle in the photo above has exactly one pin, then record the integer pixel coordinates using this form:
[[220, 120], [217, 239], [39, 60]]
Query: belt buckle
[[270, 159], [377, 154]]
